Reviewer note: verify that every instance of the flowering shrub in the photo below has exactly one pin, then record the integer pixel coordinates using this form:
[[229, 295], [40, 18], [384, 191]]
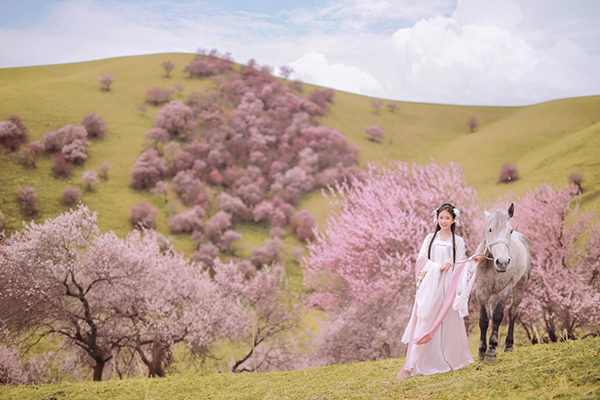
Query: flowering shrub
[[70, 196], [27, 197], [143, 215], [94, 125]]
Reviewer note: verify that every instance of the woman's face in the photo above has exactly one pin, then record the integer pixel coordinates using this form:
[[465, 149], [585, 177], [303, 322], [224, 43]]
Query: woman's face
[[445, 220]]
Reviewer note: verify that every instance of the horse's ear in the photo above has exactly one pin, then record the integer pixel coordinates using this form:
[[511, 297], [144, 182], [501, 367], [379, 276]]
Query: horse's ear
[[511, 210], [487, 214]]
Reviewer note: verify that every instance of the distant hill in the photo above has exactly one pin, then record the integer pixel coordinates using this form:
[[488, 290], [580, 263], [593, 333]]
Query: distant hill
[[546, 141]]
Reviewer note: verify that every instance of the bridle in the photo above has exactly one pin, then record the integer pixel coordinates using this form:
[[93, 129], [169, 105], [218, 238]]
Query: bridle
[[488, 247]]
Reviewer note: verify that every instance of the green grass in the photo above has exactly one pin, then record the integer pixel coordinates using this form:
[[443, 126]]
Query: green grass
[[568, 370]]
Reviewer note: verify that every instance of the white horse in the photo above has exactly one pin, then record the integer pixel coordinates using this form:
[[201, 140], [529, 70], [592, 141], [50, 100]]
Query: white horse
[[505, 270]]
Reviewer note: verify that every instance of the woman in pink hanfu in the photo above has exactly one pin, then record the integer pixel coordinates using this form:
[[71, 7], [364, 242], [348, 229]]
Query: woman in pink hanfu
[[436, 335]]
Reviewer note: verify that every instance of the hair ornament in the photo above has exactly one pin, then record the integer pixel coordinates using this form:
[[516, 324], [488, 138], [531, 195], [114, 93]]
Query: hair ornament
[[456, 216], [435, 214]]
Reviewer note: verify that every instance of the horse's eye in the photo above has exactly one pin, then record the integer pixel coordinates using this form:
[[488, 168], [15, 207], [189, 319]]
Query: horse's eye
[[490, 229]]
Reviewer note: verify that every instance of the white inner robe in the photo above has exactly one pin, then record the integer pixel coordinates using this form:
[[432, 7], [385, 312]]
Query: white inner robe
[[448, 349]]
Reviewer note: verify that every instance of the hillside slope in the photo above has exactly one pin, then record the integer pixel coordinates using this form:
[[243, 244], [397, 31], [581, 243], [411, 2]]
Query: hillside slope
[[568, 370], [547, 141]]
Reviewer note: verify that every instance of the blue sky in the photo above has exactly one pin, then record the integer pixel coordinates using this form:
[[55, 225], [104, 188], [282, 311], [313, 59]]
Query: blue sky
[[483, 52]]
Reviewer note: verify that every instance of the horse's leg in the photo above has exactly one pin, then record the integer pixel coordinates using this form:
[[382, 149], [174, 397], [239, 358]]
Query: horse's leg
[[483, 327], [490, 354], [517, 297]]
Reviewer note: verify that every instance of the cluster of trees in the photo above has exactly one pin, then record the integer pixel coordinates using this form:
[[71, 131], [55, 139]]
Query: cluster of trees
[[251, 144], [68, 147], [361, 266], [113, 301]]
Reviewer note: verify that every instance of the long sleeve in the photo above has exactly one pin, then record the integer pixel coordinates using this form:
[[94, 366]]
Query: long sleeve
[[465, 284]]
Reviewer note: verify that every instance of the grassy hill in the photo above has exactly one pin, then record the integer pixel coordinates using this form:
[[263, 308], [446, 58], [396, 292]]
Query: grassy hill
[[568, 370], [547, 141]]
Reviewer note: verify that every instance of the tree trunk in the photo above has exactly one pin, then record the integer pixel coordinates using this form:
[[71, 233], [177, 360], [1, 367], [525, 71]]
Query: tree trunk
[[98, 368], [155, 365]]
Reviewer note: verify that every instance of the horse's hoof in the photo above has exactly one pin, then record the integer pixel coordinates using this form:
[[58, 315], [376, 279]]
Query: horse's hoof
[[489, 360], [481, 356], [507, 349]]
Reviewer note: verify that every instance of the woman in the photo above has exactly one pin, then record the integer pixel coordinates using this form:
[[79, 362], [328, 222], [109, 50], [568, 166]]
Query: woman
[[436, 335]]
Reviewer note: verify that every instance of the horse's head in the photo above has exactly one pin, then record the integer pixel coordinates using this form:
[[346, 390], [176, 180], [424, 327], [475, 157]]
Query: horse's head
[[497, 237]]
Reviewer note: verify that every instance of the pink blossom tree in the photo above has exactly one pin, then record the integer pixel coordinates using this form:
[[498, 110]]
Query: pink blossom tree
[[322, 97], [161, 189], [148, 169], [71, 195], [563, 292], [28, 199], [106, 80], [275, 313], [11, 368], [177, 119], [302, 224], [157, 95], [61, 167], [94, 125], [392, 107], [228, 238], [376, 105], [577, 179], [89, 178], [102, 294], [187, 221], [189, 189], [103, 169], [76, 151], [174, 302], [13, 132], [54, 297], [142, 215], [375, 133], [361, 265], [472, 123], [270, 253], [286, 71], [217, 224], [156, 136], [234, 205], [508, 173], [168, 66], [263, 211]]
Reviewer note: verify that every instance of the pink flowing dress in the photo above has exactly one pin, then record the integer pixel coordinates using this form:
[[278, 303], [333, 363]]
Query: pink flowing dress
[[436, 335]]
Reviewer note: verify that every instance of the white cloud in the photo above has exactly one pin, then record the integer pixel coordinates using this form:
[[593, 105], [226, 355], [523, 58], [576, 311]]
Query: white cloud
[[483, 55], [314, 68], [448, 61], [496, 52]]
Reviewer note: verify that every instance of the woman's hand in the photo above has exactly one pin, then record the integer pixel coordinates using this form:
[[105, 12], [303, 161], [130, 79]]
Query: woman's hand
[[445, 267], [479, 257]]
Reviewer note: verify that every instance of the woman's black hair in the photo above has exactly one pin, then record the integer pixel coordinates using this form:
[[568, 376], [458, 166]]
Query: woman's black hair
[[450, 208]]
